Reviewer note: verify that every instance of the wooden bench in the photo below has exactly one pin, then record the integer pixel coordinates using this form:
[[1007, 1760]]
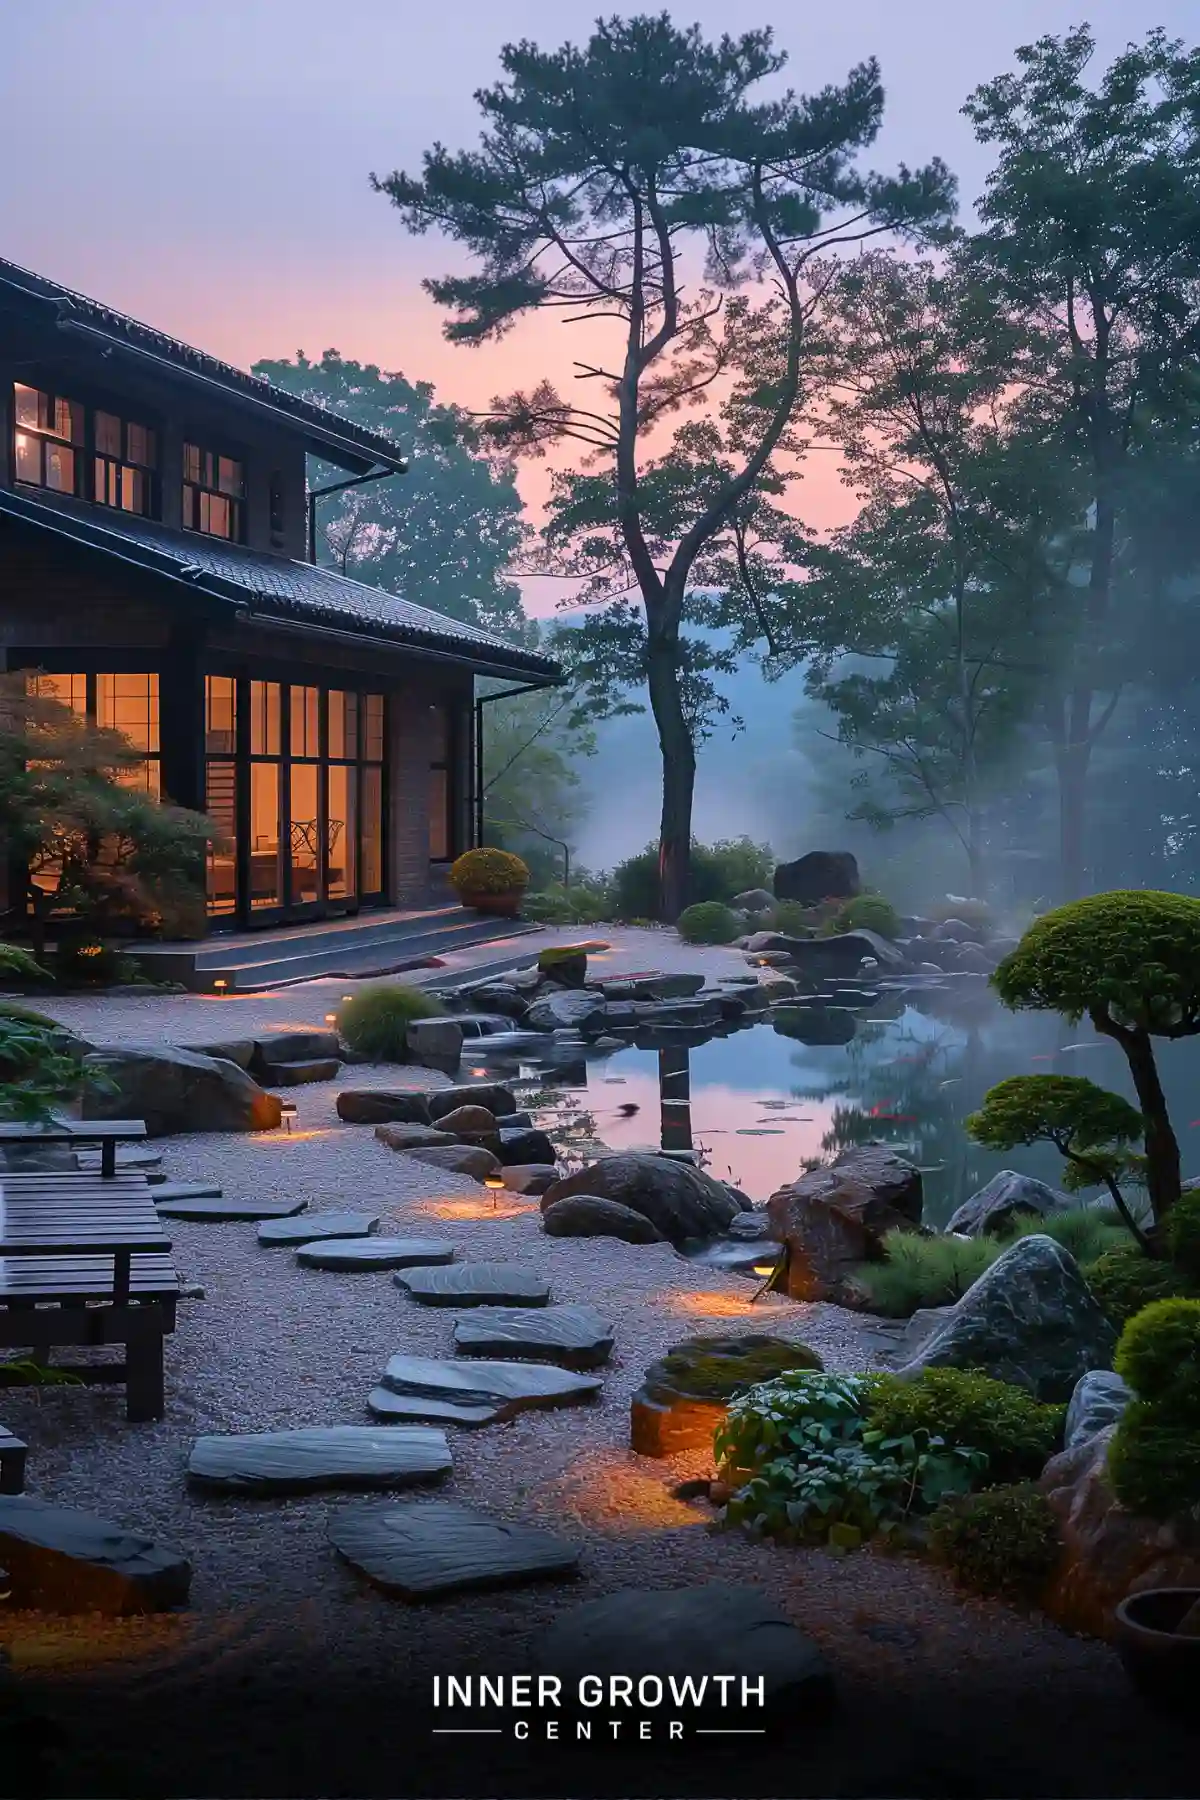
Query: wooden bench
[[83, 1262], [108, 1133], [12, 1463]]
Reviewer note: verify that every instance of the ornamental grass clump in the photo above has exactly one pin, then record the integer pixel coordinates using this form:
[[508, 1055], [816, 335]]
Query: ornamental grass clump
[[375, 1022], [1154, 1456], [1130, 962], [921, 1271]]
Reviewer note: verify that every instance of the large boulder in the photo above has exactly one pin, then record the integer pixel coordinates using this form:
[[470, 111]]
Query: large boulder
[[498, 1100], [1108, 1553], [62, 1561], [435, 1043], [566, 1009], [821, 875], [383, 1106], [754, 900], [1006, 1197], [1030, 1319], [177, 1090], [833, 1218], [680, 1200], [1099, 1399], [826, 958], [587, 1215]]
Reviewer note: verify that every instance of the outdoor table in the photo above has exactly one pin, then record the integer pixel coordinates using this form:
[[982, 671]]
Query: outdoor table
[[49, 1214], [108, 1133]]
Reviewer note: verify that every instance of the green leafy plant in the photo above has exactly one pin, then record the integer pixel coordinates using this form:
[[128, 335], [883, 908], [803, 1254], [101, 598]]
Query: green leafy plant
[[716, 872], [38, 1070], [708, 922], [24, 1372], [1089, 1127], [868, 912], [20, 964], [586, 904], [375, 1022], [972, 1411], [86, 961], [1130, 962], [791, 919], [1003, 1541], [489, 871], [809, 1469], [1125, 1280], [919, 1271]]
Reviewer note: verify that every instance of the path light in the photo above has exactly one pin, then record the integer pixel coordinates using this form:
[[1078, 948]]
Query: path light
[[287, 1110], [219, 985], [331, 1018], [771, 1274], [346, 997], [479, 1071], [495, 1185]]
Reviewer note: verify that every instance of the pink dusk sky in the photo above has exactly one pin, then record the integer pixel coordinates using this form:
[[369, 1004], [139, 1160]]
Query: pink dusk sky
[[205, 167]]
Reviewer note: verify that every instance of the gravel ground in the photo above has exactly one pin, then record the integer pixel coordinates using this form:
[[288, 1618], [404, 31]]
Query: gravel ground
[[308, 1671]]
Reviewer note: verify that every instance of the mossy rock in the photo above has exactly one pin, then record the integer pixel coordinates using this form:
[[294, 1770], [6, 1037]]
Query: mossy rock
[[685, 1395], [565, 964]]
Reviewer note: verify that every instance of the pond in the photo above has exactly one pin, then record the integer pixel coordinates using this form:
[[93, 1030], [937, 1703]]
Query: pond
[[755, 1104]]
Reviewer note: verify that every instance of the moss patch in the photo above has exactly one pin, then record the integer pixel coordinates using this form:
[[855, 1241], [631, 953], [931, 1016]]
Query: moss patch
[[719, 1368]]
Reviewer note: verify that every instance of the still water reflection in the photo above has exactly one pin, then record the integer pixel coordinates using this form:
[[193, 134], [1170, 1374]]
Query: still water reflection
[[756, 1104]]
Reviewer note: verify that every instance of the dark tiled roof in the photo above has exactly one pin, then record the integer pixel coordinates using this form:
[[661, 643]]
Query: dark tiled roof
[[316, 420], [275, 585]]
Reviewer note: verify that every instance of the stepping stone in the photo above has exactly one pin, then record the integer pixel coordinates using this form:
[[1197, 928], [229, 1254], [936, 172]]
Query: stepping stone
[[227, 1210], [438, 1547], [332, 1456], [295, 1074], [317, 1225], [575, 1336], [506, 1388], [716, 1628], [476, 1284], [413, 1409], [185, 1190], [375, 1253], [62, 1561]]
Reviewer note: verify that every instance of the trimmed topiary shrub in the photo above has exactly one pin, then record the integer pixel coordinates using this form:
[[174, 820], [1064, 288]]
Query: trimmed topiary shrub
[[970, 1411], [1154, 1457], [710, 922], [489, 871], [1130, 962], [1183, 1234], [1159, 1354], [1003, 1541], [375, 1022], [1125, 1280], [868, 912], [921, 1271]]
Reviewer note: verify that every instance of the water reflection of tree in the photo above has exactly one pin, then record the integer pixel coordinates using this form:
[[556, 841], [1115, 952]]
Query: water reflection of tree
[[912, 1088]]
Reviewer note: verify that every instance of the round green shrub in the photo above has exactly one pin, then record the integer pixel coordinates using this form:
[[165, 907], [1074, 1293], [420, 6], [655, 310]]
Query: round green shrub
[[1183, 1233], [716, 872], [791, 919], [1154, 1460], [489, 871], [89, 962], [375, 1022], [1135, 952], [971, 1411], [710, 922], [1158, 1354], [1125, 1280], [1003, 1541], [868, 912]]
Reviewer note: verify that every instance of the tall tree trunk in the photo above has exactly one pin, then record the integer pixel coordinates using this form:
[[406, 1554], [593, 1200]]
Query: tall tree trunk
[[678, 771], [1072, 761], [976, 861], [1162, 1147]]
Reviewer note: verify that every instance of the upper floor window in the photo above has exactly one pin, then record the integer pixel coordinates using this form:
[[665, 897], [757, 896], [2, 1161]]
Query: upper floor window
[[125, 456], [48, 439], [214, 489]]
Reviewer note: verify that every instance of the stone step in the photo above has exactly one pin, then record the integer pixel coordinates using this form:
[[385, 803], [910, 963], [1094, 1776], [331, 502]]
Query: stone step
[[308, 1230], [62, 1561], [436, 1547], [349, 1254], [167, 1191], [316, 1457], [296, 1074], [227, 1210], [476, 1284], [500, 1389], [574, 1335]]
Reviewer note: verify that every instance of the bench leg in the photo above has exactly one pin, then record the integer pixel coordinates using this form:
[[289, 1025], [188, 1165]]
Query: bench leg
[[12, 1471], [145, 1397]]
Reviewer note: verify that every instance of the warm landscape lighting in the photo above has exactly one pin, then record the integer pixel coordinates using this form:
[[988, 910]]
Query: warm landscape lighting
[[288, 1110], [495, 1186], [331, 1018], [220, 984]]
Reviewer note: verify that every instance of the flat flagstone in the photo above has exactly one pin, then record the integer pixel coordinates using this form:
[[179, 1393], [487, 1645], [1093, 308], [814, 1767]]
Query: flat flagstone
[[573, 1335], [166, 1191], [503, 1388], [375, 1253], [62, 1561], [438, 1547], [737, 1631], [319, 1456], [227, 1210], [423, 1409], [317, 1225], [476, 1284]]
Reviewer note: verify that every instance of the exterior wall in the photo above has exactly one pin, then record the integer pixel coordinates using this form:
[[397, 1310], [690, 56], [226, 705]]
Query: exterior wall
[[44, 357]]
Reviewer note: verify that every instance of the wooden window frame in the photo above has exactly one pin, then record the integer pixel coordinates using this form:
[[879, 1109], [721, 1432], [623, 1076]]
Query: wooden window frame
[[212, 456]]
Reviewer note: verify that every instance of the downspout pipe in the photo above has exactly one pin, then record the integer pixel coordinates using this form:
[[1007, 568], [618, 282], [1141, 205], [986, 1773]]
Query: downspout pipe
[[482, 700], [336, 487]]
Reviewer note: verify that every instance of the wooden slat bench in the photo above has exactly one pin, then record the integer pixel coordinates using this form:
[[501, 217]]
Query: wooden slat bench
[[83, 1262], [12, 1463], [108, 1133]]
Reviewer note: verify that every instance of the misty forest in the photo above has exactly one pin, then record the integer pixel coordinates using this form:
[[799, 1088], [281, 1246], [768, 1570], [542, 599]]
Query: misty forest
[[985, 679]]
